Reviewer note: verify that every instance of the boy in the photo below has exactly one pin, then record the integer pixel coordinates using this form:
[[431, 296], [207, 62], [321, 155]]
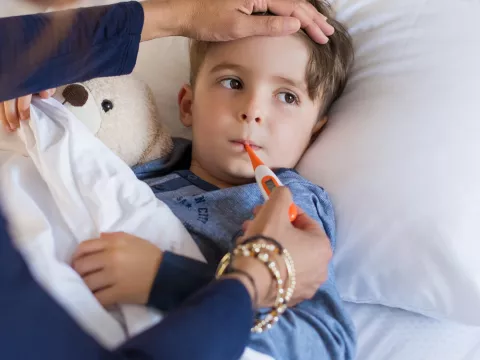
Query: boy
[[273, 93]]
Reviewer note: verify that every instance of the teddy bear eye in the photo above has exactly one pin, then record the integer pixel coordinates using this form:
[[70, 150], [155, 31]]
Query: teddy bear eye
[[107, 105]]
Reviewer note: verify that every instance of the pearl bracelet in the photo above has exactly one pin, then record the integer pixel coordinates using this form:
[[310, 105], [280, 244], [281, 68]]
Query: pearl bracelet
[[263, 252]]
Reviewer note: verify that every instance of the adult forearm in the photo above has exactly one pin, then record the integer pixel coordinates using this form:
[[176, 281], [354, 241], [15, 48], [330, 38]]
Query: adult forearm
[[44, 51], [161, 19]]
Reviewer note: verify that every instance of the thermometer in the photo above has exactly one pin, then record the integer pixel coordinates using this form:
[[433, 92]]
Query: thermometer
[[267, 181]]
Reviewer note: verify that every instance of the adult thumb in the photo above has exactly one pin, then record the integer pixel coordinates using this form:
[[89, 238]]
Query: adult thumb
[[273, 25], [278, 204]]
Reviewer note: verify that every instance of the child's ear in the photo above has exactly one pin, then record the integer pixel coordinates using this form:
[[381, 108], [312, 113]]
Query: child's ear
[[185, 101], [316, 129], [319, 126]]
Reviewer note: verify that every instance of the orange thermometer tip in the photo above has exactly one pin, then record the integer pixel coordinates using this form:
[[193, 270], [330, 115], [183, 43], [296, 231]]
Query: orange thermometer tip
[[253, 157]]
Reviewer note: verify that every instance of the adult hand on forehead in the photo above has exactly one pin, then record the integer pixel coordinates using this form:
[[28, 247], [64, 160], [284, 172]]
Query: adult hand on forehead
[[222, 20], [51, 2]]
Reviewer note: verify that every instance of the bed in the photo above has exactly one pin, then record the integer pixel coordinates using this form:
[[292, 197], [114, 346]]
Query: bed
[[392, 334], [400, 294]]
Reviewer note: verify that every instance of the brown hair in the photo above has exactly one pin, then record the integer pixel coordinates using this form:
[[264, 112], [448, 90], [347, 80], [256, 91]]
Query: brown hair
[[327, 70]]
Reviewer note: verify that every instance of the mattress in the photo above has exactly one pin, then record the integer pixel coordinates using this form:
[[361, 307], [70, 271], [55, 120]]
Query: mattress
[[392, 334]]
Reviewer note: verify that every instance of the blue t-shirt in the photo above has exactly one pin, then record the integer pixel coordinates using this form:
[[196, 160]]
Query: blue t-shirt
[[315, 329]]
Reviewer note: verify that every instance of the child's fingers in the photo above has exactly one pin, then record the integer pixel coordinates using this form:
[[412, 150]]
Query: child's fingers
[[98, 280], [89, 247], [90, 263], [107, 296]]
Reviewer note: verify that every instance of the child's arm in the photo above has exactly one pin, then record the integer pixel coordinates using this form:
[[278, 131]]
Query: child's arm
[[318, 328], [122, 268], [34, 326], [177, 279]]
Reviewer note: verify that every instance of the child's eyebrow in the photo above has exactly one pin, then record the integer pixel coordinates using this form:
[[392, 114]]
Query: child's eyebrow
[[299, 84], [226, 66]]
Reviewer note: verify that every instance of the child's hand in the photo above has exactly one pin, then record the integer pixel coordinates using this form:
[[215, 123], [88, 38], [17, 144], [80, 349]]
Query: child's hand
[[118, 268], [12, 111]]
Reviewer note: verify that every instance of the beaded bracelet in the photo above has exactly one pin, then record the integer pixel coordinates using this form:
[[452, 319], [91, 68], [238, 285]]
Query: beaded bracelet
[[288, 262], [260, 251]]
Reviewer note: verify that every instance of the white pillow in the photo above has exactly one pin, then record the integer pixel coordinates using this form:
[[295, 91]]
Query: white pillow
[[401, 158]]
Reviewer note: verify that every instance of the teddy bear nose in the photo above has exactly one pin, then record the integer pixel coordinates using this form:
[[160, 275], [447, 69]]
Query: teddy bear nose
[[76, 95]]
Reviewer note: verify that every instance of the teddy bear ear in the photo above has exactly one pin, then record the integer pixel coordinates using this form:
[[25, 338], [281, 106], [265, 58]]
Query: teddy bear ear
[[79, 100], [76, 95]]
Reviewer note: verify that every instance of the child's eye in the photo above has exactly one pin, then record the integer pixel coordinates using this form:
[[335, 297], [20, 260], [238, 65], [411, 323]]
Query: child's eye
[[233, 84], [288, 98]]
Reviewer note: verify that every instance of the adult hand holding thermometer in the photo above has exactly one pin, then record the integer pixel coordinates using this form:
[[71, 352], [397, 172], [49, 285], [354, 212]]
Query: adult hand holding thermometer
[[267, 181]]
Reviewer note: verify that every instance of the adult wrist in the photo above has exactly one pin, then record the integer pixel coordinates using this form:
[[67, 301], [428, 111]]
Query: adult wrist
[[261, 277], [161, 19]]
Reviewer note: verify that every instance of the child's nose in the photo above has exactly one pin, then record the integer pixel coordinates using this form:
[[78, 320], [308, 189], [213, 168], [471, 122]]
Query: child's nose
[[250, 118], [251, 110]]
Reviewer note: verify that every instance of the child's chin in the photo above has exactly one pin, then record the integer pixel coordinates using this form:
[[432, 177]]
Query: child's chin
[[242, 174]]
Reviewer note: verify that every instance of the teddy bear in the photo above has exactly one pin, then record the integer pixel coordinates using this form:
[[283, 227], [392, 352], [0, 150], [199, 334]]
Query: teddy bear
[[121, 112]]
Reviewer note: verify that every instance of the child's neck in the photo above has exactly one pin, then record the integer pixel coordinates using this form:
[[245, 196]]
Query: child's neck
[[202, 173]]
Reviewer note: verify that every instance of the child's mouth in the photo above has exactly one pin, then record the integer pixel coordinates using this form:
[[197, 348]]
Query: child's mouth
[[242, 143]]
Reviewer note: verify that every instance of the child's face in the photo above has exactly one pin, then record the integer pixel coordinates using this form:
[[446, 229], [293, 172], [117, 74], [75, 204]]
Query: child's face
[[250, 90]]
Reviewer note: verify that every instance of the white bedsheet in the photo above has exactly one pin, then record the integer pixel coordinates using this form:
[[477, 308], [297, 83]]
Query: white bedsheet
[[60, 185], [68, 189], [393, 334]]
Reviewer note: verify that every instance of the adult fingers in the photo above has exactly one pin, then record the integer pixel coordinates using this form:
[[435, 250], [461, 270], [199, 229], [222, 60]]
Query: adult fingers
[[3, 118], [45, 94], [273, 214], [23, 107], [314, 23], [257, 209], [320, 19], [246, 225], [305, 222], [267, 25], [310, 18], [279, 200], [11, 115], [52, 2]]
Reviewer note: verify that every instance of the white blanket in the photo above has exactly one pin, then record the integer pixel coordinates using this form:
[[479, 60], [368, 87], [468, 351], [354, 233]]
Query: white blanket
[[61, 186]]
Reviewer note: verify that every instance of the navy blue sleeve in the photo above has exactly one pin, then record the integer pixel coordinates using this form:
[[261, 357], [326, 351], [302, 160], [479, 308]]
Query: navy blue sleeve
[[178, 278], [213, 324], [44, 51]]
